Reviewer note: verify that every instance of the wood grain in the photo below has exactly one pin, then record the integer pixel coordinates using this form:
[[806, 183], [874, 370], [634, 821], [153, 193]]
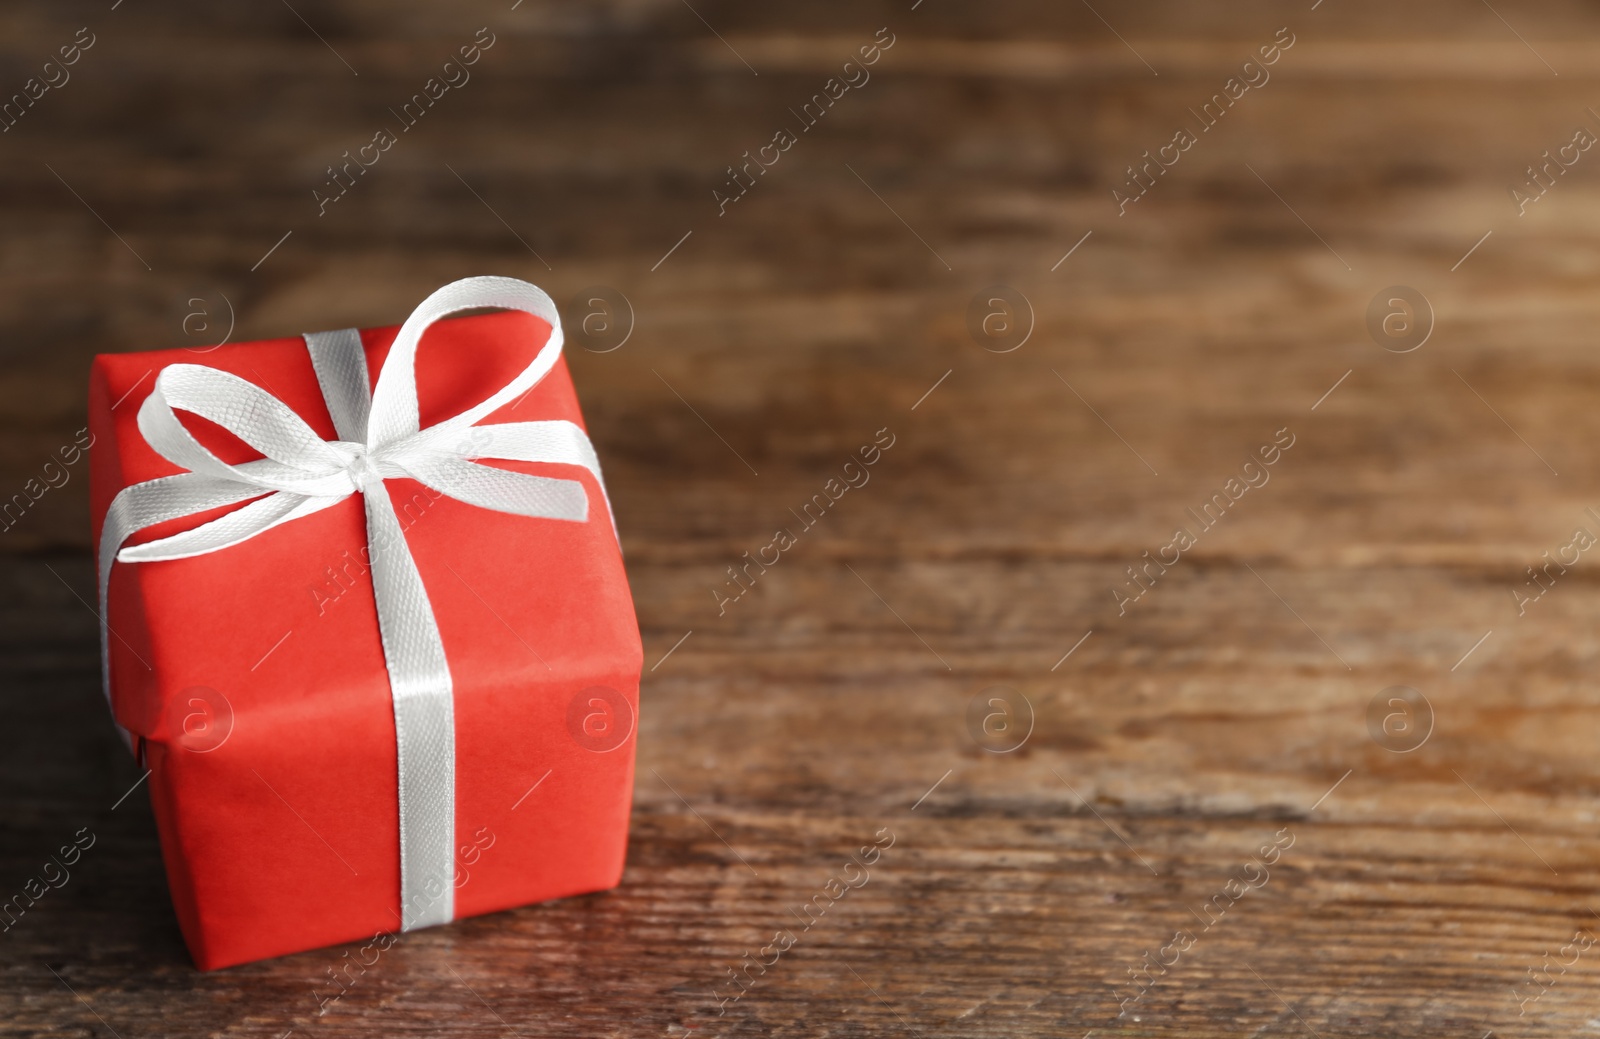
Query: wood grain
[[1226, 707]]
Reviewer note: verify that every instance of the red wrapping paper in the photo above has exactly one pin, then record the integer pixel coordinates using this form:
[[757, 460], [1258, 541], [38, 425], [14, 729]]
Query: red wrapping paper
[[253, 682]]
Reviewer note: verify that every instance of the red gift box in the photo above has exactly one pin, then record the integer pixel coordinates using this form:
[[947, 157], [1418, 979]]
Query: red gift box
[[255, 685]]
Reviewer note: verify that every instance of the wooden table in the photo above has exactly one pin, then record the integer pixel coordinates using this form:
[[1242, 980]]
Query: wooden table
[[1108, 874]]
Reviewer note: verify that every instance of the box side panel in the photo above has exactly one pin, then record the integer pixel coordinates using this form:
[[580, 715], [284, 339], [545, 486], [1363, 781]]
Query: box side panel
[[113, 380]]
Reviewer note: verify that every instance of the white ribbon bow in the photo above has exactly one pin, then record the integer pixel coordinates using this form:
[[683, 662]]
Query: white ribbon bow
[[301, 474]]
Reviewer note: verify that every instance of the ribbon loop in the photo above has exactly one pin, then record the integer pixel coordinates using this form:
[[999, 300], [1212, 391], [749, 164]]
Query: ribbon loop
[[237, 405], [302, 474], [394, 399]]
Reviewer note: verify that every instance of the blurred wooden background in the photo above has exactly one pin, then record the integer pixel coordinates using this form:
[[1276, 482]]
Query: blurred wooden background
[[150, 195]]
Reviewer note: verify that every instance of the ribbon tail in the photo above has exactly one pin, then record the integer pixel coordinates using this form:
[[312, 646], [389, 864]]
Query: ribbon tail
[[501, 490], [424, 720], [557, 441], [236, 527]]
